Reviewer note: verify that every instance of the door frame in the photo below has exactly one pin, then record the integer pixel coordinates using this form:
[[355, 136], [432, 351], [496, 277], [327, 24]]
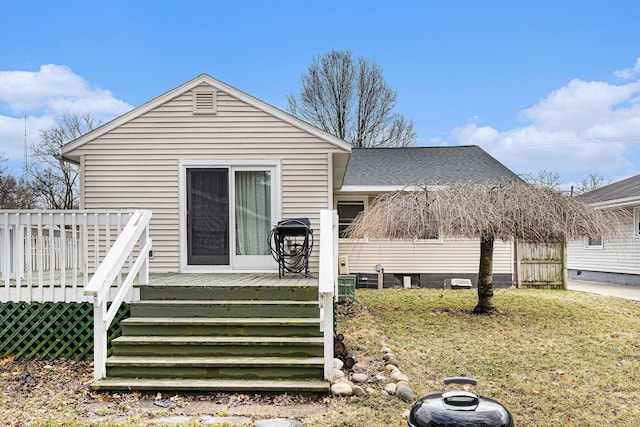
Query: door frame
[[230, 165]]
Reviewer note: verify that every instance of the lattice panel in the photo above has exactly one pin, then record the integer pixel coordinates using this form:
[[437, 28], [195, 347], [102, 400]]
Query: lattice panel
[[51, 330]]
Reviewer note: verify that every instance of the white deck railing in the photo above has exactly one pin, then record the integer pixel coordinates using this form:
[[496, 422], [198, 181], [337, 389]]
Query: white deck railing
[[135, 233], [328, 283], [51, 255]]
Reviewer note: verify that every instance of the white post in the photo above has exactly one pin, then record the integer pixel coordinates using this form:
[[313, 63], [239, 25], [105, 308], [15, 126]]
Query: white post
[[99, 338], [326, 286]]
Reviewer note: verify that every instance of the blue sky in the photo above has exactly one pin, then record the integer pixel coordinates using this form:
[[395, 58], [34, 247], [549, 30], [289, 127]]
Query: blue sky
[[545, 85]]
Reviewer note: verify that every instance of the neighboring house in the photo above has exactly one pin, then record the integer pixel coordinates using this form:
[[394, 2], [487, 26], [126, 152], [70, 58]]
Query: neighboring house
[[610, 260], [428, 262]]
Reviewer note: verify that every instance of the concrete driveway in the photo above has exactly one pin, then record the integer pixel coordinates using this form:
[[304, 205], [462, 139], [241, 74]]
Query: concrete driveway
[[620, 291]]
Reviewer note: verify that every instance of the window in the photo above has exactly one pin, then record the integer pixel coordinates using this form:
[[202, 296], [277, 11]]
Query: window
[[348, 210], [204, 102], [636, 222], [595, 243]]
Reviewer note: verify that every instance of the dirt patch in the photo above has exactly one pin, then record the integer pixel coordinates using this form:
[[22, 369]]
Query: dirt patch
[[58, 393]]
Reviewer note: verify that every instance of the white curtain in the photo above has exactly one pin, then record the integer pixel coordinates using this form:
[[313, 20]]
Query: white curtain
[[253, 212]]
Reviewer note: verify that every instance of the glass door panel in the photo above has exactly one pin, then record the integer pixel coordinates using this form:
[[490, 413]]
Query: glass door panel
[[208, 216], [253, 198]]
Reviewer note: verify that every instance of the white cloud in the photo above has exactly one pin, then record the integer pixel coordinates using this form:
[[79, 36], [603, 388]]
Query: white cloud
[[43, 96], [629, 73], [581, 128]]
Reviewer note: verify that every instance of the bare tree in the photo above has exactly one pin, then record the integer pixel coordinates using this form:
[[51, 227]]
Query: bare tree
[[54, 182], [590, 183], [15, 193], [544, 178], [490, 212], [350, 98]]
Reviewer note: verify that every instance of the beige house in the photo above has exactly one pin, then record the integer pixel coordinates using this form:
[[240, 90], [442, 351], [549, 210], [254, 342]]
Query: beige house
[[218, 168]]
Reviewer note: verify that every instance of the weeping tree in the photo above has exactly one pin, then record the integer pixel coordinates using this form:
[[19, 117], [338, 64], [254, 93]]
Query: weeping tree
[[499, 211]]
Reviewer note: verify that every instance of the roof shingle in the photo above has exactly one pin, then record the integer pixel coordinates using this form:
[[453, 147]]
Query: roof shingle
[[428, 165]]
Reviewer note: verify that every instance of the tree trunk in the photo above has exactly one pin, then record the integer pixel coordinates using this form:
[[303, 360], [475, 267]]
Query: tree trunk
[[485, 277]]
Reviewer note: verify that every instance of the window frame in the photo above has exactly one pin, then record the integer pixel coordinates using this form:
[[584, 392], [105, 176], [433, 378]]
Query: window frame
[[589, 245], [636, 222], [355, 199]]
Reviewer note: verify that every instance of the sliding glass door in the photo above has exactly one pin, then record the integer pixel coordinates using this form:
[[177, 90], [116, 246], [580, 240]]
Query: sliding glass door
[[230, 212]]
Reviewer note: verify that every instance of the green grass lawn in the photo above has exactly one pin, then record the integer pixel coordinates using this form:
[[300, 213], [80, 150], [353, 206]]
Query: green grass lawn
[[551, 357]]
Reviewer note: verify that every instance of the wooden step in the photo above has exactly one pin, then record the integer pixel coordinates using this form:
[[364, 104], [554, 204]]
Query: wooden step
[[197, 326], [218, 345], [242, 291], [225, 308], [216, 367], [213, 385]]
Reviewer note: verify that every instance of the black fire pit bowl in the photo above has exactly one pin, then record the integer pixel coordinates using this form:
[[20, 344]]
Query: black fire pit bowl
[[459, 408]]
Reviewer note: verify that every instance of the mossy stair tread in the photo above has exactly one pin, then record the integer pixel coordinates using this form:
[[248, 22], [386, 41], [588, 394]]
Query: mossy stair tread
[[205, 385], [254, 362], [272, 321], [227, 302], [217, 340]]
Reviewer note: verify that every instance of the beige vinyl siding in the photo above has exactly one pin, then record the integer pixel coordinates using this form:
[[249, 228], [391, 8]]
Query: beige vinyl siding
[[620, 255], [137, 165], [405, 256]]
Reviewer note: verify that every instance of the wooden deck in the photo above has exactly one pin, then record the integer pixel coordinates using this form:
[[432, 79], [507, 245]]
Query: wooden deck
[[229, 279]]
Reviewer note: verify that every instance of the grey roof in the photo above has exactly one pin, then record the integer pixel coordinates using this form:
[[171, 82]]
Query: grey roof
[[429, 165], [624, 189]]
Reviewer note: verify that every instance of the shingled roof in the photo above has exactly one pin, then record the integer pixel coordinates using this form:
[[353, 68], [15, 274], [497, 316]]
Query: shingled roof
[[625, 189], [429, 165]]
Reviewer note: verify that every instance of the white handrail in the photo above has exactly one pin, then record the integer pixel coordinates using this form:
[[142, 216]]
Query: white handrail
[[136, 230], [327, 283]]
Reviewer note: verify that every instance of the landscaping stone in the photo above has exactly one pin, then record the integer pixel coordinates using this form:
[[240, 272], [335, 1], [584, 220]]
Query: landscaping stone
[[405, 393], [360, 378], [362, 366], [342, 380], [340, 389], [380, 377], [391, 358], [337, 374], [371, 390], [390, 367], [399, 376], [357, 390], [337, 364], [390, 388], [386, 350]]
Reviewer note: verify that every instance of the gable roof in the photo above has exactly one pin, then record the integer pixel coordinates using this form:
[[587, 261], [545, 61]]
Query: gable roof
[[625, 192], [429, 165], [191, 84]]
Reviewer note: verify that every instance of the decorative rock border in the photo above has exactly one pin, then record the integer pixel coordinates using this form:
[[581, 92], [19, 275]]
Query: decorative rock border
[[364, 378]]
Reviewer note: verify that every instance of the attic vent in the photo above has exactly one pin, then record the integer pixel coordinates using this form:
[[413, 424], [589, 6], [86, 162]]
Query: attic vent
[[204, 102]]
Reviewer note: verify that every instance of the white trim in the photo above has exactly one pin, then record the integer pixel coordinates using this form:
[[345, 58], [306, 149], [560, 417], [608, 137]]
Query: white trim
[[636, 222], [216, 84], [617, 203], [384, 188], [232, 166]]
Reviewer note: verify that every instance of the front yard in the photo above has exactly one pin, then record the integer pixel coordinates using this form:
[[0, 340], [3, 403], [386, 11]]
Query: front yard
[[551, 357]]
